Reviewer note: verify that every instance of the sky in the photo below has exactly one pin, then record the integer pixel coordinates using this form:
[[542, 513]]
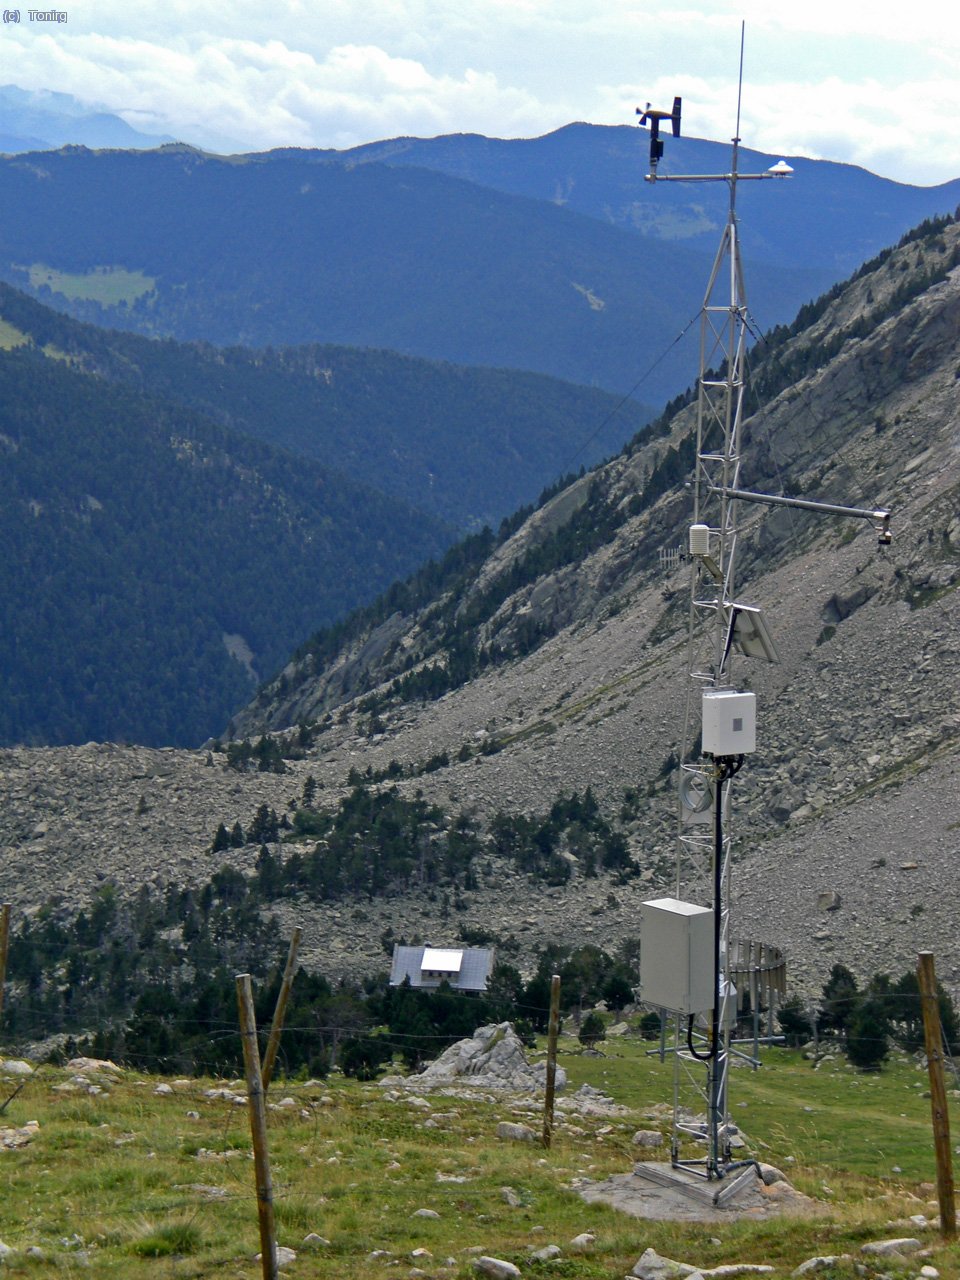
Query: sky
[[821, 78]]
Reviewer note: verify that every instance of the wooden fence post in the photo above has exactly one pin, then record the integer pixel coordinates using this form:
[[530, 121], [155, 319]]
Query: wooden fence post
[[258, 1127], [273, 1044], [553, 1032], [4, 948], [933, 1043]]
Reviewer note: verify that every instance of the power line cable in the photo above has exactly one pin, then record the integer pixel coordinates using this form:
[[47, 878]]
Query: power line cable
[[630, 394]]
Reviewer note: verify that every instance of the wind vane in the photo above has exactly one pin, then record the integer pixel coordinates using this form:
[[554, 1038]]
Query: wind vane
[[648, 115]]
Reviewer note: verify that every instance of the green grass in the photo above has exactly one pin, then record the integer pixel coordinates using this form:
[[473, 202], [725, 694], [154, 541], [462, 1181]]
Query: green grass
[[140, 1187], [11, 337], [170, 1239], [106, 285]]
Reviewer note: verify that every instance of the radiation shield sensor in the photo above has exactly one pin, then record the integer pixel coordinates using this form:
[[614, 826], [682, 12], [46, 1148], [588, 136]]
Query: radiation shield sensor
[[696, 798]]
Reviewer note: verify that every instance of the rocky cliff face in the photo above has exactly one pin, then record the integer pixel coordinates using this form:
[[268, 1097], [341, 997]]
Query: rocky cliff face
[[847, 816]]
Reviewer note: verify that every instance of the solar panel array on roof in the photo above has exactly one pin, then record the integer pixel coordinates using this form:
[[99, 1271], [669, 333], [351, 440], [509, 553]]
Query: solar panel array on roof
[[436, 960]]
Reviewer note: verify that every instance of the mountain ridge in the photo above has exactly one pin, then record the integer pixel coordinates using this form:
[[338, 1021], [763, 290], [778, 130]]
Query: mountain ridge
[[599, 170], [285, 249], [846, 818], [465, 445], [869, 641]]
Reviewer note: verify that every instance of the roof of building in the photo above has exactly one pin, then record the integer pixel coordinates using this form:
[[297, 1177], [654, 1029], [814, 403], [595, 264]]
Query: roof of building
[[466, 969]]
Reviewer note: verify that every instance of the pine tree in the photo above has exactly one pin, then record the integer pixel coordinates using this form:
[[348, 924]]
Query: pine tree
[[840, 996], [868, 1029], [593, 1030], [794, 1022], [265, 828]]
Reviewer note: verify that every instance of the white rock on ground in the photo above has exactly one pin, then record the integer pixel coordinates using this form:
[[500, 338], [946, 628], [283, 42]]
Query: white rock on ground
[[496, 1268], [883, 1248], [284, 1256], [731, 1269], [821, 1263], [547, 1253], [516, 1132], [651, 1266]]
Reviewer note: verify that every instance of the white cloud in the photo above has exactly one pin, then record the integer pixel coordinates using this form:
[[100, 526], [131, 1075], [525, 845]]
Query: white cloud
[[294, 73], [268, 95]]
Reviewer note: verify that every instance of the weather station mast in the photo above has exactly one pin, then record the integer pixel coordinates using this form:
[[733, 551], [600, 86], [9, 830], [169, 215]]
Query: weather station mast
[[691, 966]]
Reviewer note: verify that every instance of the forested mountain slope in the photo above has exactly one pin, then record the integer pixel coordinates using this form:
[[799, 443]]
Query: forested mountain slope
[[549, 254], [555, 657], [551, 658], [157, 565], [830, 216], [467, 446], [293, 247]]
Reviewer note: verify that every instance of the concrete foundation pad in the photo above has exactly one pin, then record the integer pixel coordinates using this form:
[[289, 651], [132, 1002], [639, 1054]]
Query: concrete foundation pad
[[664, 1191]]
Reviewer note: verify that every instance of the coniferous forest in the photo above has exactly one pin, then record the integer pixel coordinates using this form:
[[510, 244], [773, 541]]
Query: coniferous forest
[[152, 981], [157, 566], [178, 519]]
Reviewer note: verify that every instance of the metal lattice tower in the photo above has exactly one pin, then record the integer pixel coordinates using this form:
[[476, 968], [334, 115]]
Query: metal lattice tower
[[704, 811], [718, 624], [720, 395]]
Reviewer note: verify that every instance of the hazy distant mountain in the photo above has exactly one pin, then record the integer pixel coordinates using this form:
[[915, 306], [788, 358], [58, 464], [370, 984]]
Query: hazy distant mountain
[[39, 119], [829, 216], [294, 247], [563, 262]]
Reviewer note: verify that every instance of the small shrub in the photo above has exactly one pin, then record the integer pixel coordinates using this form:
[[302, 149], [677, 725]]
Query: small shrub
[[592, 1030], [170, 1240], [650, 1026]]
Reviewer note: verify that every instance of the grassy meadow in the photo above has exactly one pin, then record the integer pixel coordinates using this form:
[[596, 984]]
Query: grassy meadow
[[108, 285], [135, 1183]]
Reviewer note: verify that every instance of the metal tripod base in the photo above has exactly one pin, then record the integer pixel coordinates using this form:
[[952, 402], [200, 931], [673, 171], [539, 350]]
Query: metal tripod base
[[693, 1184]]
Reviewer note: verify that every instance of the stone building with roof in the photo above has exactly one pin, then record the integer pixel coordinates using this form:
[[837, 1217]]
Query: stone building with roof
[[426, 966]]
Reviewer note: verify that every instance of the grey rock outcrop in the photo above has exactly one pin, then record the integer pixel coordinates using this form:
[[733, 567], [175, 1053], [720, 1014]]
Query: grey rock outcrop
[[493, 1058]]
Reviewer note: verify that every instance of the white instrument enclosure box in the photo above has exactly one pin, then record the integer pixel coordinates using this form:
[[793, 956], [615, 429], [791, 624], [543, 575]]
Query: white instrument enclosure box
[[729, 722], [676, 955]]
